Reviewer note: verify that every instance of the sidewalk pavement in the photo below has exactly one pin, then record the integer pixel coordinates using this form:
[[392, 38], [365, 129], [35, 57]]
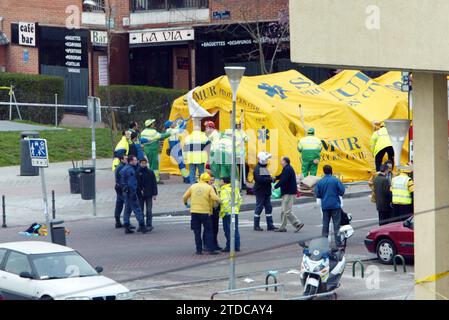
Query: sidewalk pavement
[[24, 204], [17, 126]]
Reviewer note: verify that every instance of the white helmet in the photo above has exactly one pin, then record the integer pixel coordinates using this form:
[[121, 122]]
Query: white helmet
[[264, 157], [347, 231]]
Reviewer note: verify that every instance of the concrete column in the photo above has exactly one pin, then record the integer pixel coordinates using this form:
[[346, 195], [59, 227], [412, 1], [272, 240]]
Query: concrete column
[[431, 175]]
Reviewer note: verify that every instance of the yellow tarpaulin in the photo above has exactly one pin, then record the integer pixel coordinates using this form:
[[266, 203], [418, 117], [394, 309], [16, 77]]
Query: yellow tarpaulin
[[341, 110]]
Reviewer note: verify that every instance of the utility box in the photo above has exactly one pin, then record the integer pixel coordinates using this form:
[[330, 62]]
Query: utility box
[[26, 169], [87, 183], [75, 180]]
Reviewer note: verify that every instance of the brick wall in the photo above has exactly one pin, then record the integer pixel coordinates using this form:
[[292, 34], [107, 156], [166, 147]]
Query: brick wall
[[45, 12]]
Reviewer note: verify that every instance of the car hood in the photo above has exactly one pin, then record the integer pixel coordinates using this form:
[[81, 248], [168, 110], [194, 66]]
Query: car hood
[[95, 286], [388, 227]]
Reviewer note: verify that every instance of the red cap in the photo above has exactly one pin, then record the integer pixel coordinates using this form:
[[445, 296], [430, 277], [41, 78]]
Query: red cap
[[209, 124]]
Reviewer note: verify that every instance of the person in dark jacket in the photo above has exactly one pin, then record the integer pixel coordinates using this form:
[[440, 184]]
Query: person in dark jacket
[[128, 183], [120, 201], [146, 191], [289, 190], [329, 190], [383, 195], [262, 190]]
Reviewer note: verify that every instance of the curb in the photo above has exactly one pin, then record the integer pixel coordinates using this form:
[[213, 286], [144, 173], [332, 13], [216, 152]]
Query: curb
[[275, 204]]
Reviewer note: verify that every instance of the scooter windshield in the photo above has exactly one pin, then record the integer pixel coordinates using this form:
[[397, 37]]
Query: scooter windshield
[[318, 248]]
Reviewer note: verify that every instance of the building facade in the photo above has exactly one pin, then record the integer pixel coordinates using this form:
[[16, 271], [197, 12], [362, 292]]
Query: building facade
[[162, 43]]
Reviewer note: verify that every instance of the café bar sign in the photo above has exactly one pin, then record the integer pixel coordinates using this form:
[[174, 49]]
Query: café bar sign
[[27, 34], [161, 36]]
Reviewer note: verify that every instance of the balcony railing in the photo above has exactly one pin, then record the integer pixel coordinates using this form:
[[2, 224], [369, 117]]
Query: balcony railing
[[148, 5], [100, 7]]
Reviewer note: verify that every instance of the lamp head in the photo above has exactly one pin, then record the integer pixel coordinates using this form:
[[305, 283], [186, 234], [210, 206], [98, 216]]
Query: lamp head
[[235, 75]]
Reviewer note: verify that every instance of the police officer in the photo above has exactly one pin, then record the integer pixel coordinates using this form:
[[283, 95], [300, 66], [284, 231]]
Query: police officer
[[310, 148], [150, 137], [122, 148], [120, 201], [174, 144], [195, 153], [380, 144], [129, 185], [402, 193]]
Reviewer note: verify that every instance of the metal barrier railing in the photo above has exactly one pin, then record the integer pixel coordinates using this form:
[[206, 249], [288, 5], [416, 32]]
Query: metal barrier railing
[[318, 295], [398, 256], [248, 289], [362, 268]]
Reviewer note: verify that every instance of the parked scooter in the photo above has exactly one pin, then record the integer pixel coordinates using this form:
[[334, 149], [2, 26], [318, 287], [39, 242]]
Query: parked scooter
[[321, 268]]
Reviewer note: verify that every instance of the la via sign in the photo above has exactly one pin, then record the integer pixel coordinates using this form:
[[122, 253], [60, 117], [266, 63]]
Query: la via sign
[[162, 36]]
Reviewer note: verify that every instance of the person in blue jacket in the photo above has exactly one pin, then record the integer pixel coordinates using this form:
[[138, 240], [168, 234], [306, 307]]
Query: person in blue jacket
[[129, 186], [120, 201], [329, 190]]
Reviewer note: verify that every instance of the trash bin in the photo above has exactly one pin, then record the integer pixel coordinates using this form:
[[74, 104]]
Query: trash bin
[[87, 183], [26, 169], [75, 180], [58, 233]]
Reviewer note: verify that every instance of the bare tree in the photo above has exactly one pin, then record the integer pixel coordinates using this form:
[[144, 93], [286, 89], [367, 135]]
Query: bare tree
[[267, 35]]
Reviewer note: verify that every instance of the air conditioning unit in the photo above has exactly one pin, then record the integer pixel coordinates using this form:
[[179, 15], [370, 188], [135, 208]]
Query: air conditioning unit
[[126, 21]]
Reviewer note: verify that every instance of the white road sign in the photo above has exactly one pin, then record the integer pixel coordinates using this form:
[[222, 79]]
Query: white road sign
[[38, 152]]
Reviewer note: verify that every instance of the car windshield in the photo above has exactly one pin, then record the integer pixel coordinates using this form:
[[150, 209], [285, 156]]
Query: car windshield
[[61, 265], [317, 248]]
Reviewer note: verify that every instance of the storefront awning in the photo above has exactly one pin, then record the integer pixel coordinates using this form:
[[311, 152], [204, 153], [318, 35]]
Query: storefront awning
[[3, 39]]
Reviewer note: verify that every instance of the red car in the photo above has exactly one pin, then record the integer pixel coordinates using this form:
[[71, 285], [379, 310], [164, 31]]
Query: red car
[[391, 239]]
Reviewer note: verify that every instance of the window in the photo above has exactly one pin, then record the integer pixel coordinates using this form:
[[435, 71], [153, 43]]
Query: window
[[148, 5], [2, 256], [100, 7], [17, 263]]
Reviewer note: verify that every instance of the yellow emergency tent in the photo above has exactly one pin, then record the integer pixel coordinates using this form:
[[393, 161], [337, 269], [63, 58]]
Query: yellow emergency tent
[[341, 110]]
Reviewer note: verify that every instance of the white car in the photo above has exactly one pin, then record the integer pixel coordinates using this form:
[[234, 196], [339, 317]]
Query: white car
[[47, 271]]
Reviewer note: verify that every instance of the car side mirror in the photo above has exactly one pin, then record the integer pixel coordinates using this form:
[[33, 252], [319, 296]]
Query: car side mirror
[[407, 224], [302, 244], [26, 275], [99, 269]]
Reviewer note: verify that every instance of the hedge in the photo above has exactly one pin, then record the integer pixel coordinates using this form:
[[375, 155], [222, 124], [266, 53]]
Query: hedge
[[32, 89], [149, 102]]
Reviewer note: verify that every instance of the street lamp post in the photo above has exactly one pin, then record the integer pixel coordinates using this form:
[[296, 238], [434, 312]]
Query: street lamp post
[[235, 75]]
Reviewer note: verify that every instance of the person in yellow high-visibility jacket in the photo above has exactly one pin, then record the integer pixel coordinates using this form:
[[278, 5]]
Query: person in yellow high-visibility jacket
[[121, 149], [150, 138], [380, 144], [310, 148], [226, 212], [402, 189], [195, 153]]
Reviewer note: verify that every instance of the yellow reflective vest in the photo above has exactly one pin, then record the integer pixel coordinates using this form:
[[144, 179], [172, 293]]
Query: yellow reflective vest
[[310, 143], [195, 148], [121, 148], [401, 190], [380, 140], [225, 198]]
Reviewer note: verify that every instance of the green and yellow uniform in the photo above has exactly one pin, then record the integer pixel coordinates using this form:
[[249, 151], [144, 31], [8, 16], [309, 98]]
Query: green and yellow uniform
[[310, 148], [150, 137]]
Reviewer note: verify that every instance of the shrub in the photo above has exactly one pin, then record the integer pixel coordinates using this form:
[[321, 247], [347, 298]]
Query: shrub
[[32, 89], [149, 102]]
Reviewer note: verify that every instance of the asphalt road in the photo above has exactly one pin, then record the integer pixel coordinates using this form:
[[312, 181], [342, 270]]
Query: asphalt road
[[165, 257]]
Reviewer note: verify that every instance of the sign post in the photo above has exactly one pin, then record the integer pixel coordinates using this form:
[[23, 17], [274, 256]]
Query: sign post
[[94, 113], [39, 158]]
